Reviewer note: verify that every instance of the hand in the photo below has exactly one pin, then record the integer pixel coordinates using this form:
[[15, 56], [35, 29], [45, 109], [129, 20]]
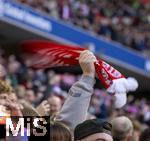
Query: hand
[[86, 61], [14, 108], [44, 108]]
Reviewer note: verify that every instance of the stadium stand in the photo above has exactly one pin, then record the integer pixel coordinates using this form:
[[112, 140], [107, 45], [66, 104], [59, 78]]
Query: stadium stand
[[123, 21]]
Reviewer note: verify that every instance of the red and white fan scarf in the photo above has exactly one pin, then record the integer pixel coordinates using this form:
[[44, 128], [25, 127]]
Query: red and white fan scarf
[[45, 54]]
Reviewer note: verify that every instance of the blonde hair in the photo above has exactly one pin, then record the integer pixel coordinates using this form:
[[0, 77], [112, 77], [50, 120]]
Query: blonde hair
[[5, 87]]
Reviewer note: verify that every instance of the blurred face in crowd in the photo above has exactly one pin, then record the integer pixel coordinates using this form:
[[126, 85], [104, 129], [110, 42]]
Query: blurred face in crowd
[[20, 91], [29, 96], [10, 105], [8, 99], [12, 97], [13, 66], [55, 104], [98, 137]]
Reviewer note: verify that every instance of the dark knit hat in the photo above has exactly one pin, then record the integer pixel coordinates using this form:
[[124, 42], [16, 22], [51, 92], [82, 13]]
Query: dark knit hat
[[90, 127]]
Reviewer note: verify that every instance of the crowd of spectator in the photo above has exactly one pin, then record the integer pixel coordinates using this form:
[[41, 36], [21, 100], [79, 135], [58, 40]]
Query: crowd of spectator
[[34, 86], [124, 21]]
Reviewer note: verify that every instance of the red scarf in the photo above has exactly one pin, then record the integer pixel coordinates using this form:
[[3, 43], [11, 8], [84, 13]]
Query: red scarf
[[45, 54]]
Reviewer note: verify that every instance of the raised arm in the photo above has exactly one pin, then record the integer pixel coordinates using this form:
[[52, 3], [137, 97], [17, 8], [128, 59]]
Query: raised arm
[[75, 108]]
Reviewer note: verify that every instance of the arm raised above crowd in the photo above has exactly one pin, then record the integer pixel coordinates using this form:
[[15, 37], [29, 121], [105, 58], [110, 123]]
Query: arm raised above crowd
[[74, 110]]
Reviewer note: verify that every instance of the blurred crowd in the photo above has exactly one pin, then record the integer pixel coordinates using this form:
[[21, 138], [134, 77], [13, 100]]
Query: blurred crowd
[[124, 21], [35, 86]]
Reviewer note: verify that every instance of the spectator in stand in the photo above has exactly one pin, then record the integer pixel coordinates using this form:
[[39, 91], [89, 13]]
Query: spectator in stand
[[9, 106], [30, 96], [135, 109], [20, 91], [59, 132], [55, 104], [124, 21], [8, 99], [122, 129], [145, 135], [93, 130], [76, 105], [75, 108]]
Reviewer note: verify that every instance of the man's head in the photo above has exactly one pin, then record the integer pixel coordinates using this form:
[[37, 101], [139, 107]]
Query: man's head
[[122, 129], [30, 96], [20, 91], [93, 130], [55, 104], [8, 101], [59, 132]]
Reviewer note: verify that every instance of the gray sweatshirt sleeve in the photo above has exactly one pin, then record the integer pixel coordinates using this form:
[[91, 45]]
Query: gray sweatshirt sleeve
[[74, 110]]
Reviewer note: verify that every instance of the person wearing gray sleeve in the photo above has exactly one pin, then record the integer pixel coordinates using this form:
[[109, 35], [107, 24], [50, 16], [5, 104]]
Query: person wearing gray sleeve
[[74, 110]]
